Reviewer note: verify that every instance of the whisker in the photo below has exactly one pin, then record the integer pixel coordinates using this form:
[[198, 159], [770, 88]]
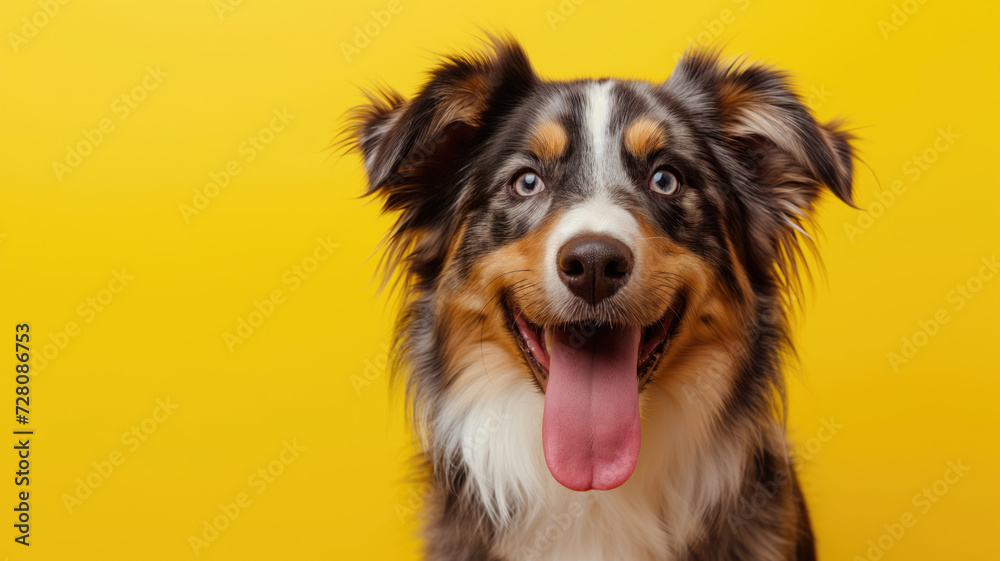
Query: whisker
[[498, 277]]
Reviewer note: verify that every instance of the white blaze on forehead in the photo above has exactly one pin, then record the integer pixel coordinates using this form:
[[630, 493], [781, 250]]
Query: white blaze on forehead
[[599, 118], [597, 215]]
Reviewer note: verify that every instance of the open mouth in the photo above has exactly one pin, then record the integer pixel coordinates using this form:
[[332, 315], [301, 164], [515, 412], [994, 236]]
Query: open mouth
[[592, 375], [534, 340]]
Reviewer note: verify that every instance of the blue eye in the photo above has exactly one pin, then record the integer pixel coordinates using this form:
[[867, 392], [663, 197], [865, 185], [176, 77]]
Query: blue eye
[[664, 183], [528, 184]]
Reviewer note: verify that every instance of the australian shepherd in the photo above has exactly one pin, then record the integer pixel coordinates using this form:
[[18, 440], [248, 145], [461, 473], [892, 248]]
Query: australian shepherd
[[596, 278]]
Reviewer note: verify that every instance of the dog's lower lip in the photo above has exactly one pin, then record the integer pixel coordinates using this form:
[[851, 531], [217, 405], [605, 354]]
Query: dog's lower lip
[[532, 340]]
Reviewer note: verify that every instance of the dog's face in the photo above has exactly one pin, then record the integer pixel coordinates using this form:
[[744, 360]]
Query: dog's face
[[590, 233]]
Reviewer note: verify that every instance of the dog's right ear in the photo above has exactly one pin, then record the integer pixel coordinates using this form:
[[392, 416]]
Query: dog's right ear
[[414, 150]]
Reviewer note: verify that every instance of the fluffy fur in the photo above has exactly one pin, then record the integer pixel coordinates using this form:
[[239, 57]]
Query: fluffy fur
[[716, 262]]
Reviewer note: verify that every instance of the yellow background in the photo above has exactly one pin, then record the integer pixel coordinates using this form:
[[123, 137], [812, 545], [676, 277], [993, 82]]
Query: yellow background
[[345, 496]]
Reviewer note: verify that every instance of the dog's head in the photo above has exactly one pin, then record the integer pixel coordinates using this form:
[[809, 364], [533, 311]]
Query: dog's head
[[591, 231]]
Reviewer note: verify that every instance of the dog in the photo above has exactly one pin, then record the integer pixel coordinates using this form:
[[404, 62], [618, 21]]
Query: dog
[[597, 277]]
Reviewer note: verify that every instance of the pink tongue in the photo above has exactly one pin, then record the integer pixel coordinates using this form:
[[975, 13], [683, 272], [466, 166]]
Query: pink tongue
[[590, 428]]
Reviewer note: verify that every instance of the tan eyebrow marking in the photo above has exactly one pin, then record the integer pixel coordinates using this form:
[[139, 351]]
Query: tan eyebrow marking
[[644, 136], [549, 140]]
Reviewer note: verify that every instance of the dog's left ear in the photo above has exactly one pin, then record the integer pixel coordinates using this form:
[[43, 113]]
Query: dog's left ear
[[415, 150], [769, 130]]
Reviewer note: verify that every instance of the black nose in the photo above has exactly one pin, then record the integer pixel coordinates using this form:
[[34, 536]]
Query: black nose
[[594, 267]]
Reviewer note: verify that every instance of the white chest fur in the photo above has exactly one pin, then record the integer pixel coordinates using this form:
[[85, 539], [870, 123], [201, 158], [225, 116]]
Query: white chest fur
[[494, 417]]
